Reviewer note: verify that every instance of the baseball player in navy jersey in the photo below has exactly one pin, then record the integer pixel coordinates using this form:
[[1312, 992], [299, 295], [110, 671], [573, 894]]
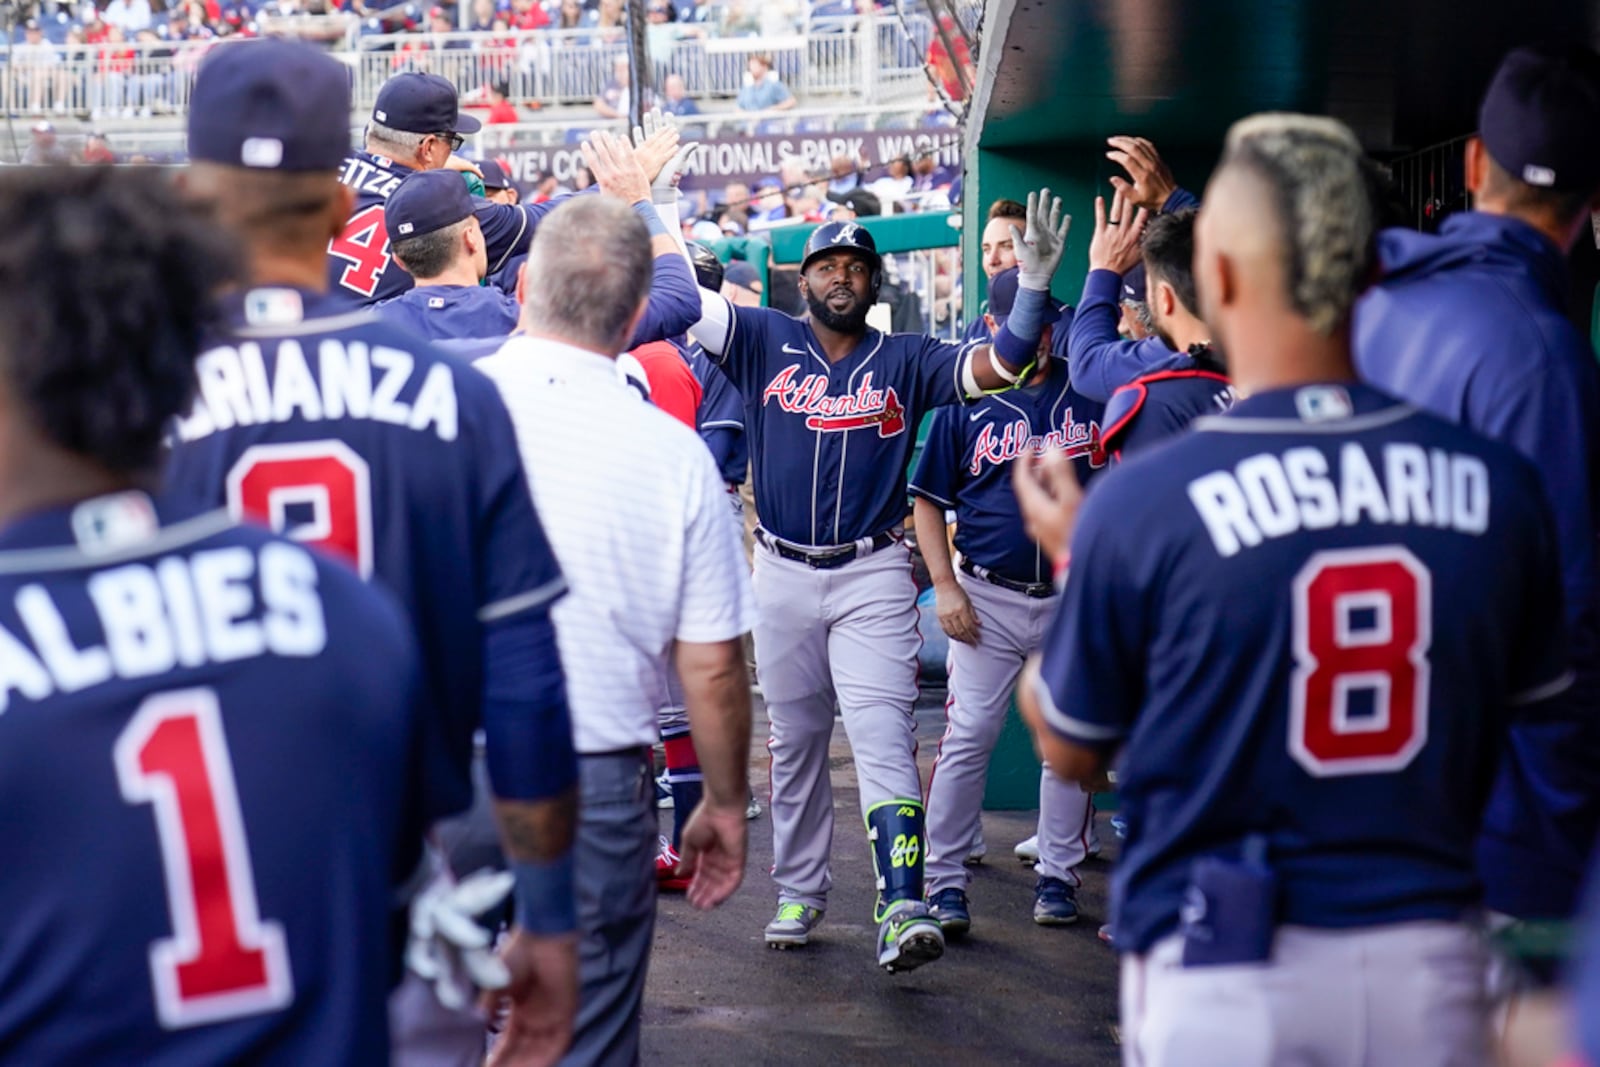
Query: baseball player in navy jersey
[[830, 410], [1290, 623], [354, 437], [994, 603], [1190, 380], [435, 237], [416, 125], [165, 673]]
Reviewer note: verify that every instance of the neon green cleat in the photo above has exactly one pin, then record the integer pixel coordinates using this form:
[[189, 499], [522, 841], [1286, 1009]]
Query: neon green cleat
[[908, 937], [792, 925]]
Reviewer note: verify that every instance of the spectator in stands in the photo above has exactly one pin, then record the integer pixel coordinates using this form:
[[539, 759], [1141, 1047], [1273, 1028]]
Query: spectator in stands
[[528, 15], [44, 148], [494, 96], [764, 91], [97, 149], [130, 15], [825, 12], [108, 85], [927, 175], [895, 185], [844, 175], [483, 15], [770, 207], [569, 16], [582, 178], [736, 204], [678, 102], [36, 69], [700, 13], [608, 20], [612, 103], [939, 59]]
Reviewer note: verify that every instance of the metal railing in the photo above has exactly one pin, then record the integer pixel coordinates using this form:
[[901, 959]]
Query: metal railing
[[869, 58]]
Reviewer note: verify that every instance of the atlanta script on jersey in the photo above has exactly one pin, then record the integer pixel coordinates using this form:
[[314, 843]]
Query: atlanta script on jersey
[[966, 466], [207, 744], [1286, 625], [829, 442]]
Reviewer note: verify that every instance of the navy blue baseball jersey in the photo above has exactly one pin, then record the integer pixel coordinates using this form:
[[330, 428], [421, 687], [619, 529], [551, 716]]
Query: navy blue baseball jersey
[[830, 442], [348, 434], [720, 420], [360, 269], [1471, 324], [1287, 649], [208, 738], [438, 312], [965, 467], [1101, 361], [1162, 404]]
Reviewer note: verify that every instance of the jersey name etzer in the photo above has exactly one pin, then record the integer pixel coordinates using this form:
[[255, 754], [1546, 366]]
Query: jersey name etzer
[[865, 407]]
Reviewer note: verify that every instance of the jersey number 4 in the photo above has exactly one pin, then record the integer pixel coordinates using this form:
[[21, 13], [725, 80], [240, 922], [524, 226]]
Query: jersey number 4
[[222, 961], [316, 492], [364, 244], [1362, 630]]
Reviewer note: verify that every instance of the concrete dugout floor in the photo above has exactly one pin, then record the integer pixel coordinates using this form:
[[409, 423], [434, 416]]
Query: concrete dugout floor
[[1009, 992]]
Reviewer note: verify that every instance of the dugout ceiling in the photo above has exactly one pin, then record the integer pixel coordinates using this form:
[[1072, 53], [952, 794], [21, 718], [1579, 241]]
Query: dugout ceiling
[[1403, 73]]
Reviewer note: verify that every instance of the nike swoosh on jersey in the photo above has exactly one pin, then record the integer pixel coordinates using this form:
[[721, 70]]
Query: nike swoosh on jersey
[[790, 350], [976, 415]]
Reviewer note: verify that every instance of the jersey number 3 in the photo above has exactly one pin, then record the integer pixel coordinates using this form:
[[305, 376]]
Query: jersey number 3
[[222, 961], [1362, 630]]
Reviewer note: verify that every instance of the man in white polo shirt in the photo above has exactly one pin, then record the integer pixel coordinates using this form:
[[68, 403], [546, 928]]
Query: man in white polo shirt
[[637, 513]]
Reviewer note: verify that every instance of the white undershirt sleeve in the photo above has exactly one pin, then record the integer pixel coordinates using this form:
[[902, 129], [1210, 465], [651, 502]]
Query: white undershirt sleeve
[[716, 323]]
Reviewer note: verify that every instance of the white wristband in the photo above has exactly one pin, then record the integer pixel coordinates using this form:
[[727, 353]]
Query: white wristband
[[969, 379], [1000, 369], [1033, 281]]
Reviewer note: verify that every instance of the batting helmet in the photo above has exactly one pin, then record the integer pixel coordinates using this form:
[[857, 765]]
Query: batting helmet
[[833, 236], [707, 267]]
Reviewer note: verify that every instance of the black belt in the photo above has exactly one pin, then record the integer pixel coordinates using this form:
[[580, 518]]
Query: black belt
[[1037, 590], [827, 557]]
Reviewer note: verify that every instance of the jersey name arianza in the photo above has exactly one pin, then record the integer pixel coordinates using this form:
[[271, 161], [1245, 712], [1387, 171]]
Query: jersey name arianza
[[832, 414], [350, 381], [1270, 496], [181, 611], [1017, 439]]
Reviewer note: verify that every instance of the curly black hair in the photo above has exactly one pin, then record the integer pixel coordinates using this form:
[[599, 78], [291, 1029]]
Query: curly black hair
[[107, 281]]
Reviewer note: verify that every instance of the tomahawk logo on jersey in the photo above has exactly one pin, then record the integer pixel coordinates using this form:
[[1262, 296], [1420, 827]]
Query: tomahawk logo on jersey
[[207, 740], [835, 426], [323, 427], [361, 269], [967, 459], [1368, 696]]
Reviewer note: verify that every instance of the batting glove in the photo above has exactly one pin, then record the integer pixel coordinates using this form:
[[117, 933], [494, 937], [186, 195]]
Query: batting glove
[[1039, 250], [449, 947]]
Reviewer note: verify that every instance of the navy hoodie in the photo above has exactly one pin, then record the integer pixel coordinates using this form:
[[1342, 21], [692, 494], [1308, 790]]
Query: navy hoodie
[[1470, 324]]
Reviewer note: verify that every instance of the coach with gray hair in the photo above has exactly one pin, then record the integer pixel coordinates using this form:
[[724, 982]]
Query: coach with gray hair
[[638, 517]]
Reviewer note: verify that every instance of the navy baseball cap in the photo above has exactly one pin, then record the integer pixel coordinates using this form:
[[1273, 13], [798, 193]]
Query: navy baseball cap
[[738, 272], [1540, 114], [422, 103], [271, 104], [426, 201], [1133, 286], [1003, 295], [494, 175]]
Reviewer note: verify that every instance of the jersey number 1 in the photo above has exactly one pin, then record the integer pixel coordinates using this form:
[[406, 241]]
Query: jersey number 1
[[1362, 625], [222, 961], [364, 244]]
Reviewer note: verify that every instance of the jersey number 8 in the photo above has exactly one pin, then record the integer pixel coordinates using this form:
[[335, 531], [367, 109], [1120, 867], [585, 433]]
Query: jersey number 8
[[1362, 627]]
